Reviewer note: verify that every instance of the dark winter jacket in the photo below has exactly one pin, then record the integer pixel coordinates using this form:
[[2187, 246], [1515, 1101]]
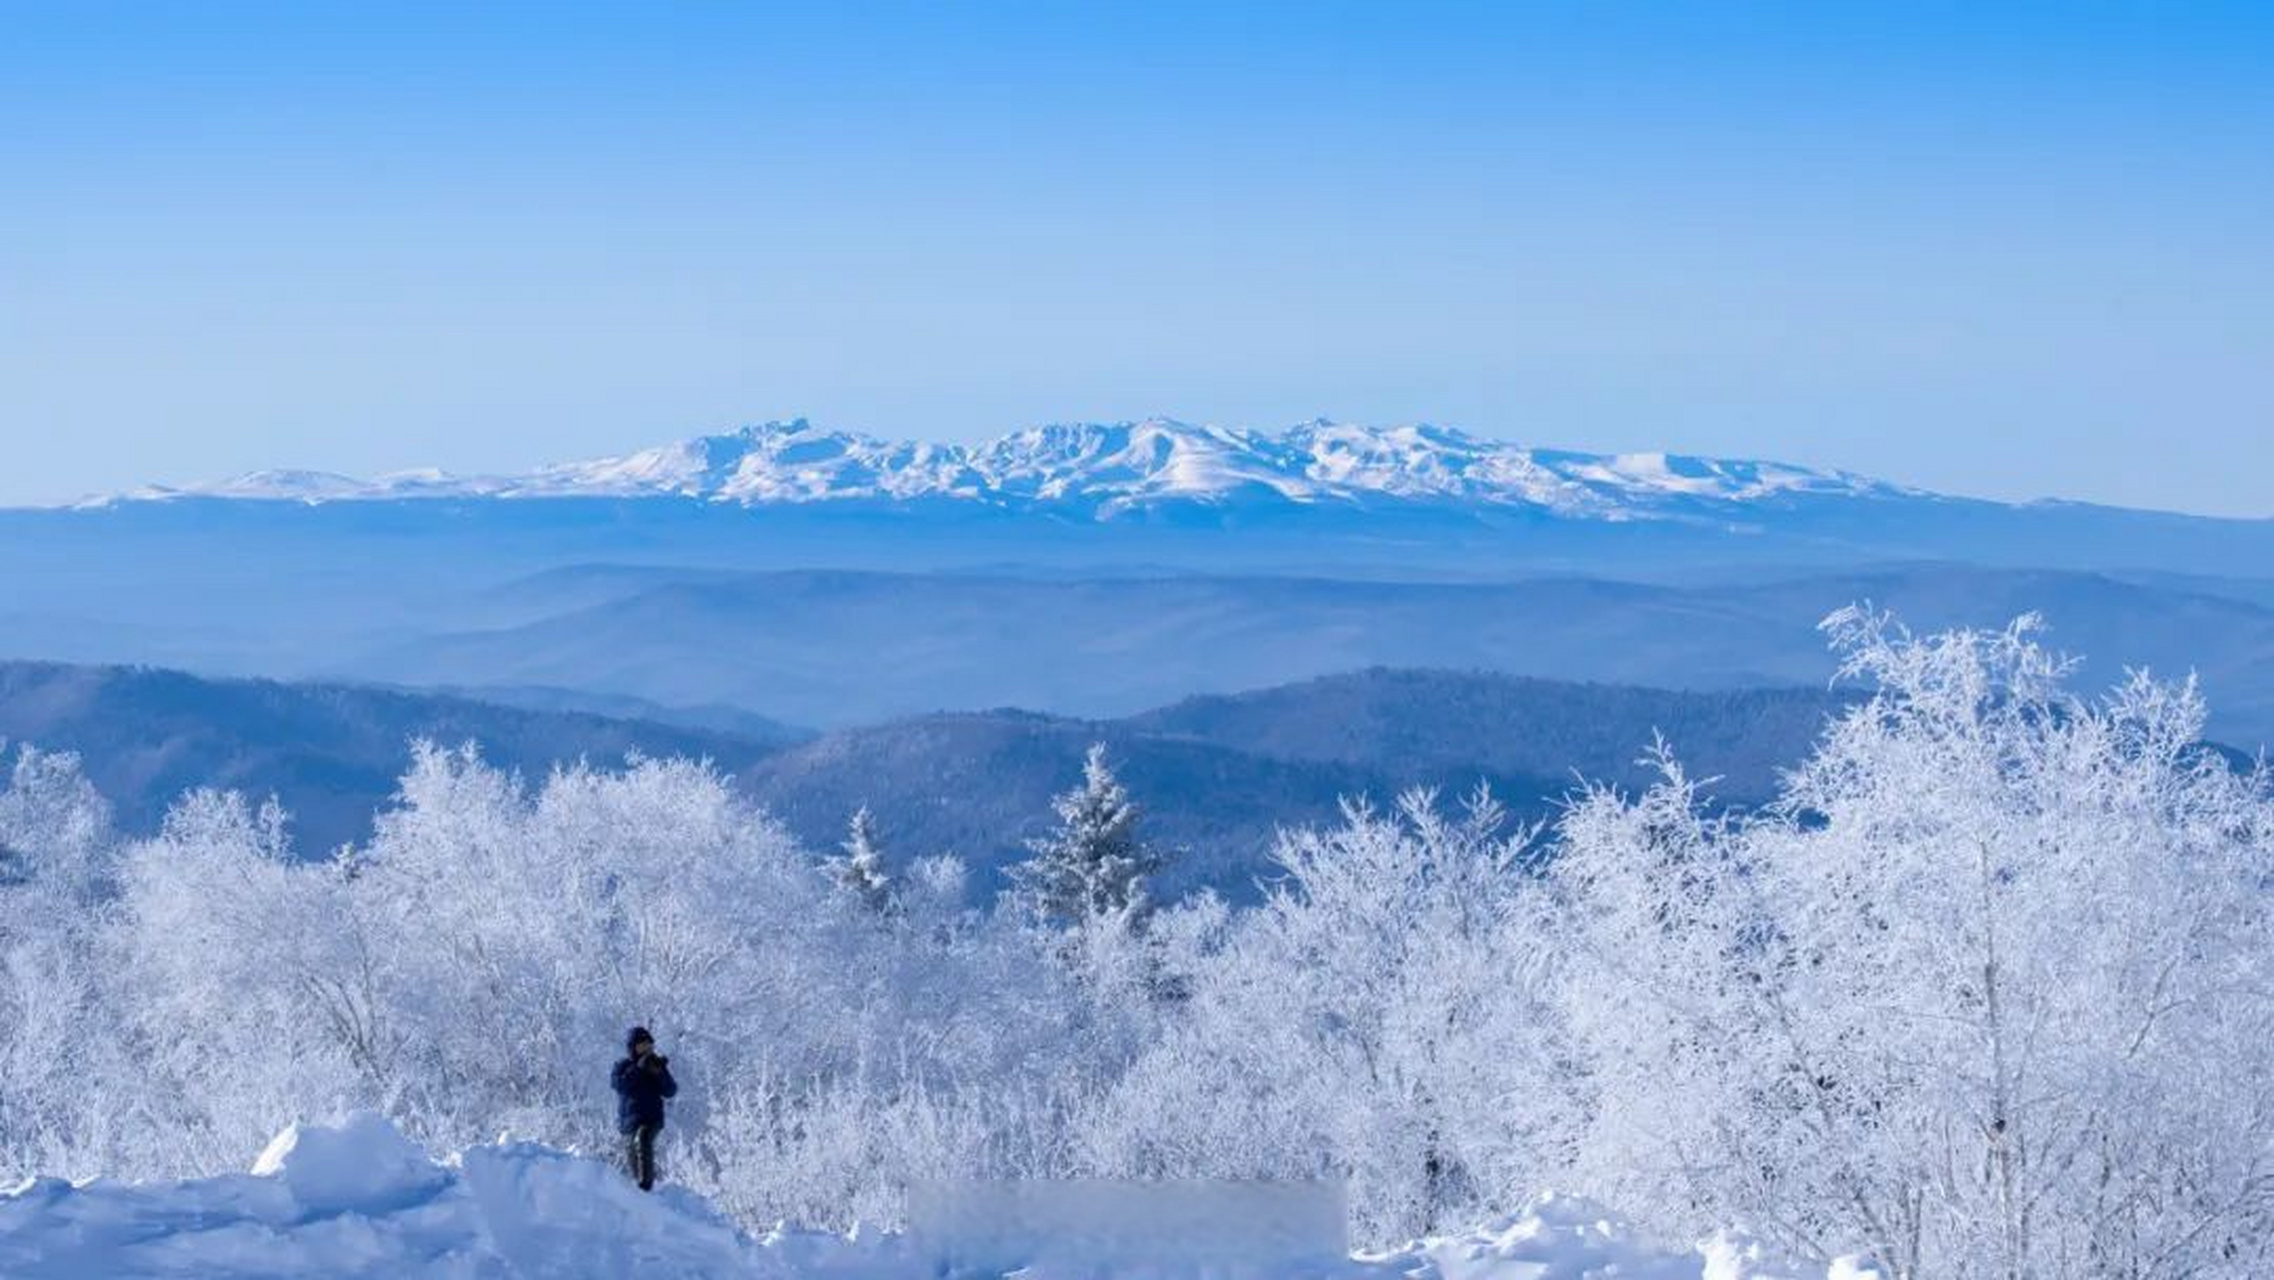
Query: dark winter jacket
[[640, 1092]]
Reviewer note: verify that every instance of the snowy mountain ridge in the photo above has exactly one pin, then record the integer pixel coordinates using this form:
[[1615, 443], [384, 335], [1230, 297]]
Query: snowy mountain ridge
[[1104, 469]]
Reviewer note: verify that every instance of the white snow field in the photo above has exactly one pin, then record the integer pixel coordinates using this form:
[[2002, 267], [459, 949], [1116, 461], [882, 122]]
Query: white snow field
[[360, 1199]]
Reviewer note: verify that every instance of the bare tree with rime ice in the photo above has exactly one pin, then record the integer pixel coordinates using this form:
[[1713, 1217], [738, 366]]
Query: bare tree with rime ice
[[1985, 995]]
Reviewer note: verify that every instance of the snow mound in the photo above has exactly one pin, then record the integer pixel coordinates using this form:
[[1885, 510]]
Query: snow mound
[[1556, 1238], [363, 1165], [358, 1199], [1560, 1237]]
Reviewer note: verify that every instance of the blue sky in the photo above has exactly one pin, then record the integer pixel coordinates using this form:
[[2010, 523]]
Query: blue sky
[[2014, 250]]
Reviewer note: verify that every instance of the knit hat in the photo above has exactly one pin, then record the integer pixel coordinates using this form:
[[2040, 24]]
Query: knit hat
[[638, 1034]]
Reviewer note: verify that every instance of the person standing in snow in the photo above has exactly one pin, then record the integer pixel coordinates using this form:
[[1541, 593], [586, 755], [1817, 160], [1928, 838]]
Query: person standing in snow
[[642, 1081]]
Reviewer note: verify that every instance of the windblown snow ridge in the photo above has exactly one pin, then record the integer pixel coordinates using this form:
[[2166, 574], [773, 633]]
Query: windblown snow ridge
[[359, 1199], [1102, 469]]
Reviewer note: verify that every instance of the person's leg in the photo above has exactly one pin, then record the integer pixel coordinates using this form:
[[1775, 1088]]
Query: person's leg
[[647, 1157], [632, 1164]]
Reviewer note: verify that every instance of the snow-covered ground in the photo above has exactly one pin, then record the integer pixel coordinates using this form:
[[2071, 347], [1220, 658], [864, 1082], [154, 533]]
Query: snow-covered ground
[[359, 1199]]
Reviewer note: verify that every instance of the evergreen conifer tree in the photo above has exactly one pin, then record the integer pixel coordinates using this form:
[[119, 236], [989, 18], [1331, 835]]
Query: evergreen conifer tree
[[859, 868], [1094, 866]]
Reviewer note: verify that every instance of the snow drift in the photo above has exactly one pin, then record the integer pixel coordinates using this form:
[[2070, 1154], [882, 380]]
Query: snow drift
[[360, 1199]]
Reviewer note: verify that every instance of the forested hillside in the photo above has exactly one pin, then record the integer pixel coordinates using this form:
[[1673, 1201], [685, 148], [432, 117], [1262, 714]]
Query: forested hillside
[[331, 753], [1218, 776]]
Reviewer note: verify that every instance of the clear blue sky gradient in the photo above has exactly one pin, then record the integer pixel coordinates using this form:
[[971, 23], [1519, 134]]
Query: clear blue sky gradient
[[2011, 250]]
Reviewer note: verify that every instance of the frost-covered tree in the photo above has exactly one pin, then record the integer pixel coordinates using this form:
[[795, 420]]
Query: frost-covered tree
[[858, 867], [55, 830], [1376, 1019], [58, 882], [249, 996], [1985, 994], [1094, 866]]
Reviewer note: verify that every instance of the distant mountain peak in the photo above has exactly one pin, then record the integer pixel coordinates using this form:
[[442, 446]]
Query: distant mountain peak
[[1104, 469]]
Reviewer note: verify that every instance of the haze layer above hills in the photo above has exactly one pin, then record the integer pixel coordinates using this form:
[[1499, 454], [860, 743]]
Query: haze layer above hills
[[836, 649]]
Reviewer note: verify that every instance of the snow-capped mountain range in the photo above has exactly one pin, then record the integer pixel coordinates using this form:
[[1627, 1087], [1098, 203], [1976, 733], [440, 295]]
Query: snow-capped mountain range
[[1104, 470]]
